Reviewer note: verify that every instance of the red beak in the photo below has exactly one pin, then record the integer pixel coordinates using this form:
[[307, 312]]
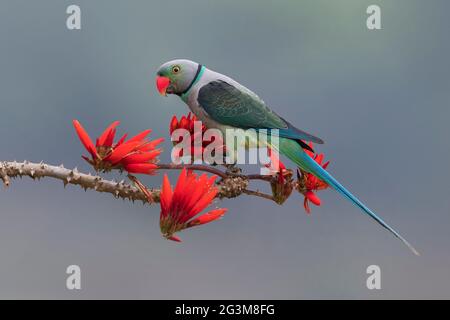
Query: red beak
[[161, 84]]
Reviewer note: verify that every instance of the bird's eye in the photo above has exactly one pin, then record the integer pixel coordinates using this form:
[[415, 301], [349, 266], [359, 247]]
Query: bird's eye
[[176, 69]]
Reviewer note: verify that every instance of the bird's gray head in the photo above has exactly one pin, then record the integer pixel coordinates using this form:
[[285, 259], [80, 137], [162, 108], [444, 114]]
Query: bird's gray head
[[176, 76]]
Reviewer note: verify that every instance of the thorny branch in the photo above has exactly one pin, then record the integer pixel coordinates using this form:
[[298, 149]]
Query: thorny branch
[[231, 185]]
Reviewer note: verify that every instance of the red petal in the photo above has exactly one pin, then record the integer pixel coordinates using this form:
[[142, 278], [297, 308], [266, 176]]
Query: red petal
[[174, 238], [150, 145], [145, 168], [173, 125], [166, 196], [181, 183], [204, 201], [85, 139], [110, 139], [142, 157], [121, 151], [106, 135], [207, 217], [121, 140], [140, 136], [210, 181], [312, 197], [319, 158], [178, 194], [185, 123], [200, 187], [194, 197]]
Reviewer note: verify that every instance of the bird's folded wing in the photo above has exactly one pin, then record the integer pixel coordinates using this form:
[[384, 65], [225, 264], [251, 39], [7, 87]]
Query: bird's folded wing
[[239, 107]]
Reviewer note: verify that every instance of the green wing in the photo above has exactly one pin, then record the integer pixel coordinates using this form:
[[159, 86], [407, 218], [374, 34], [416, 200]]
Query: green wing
[[241, 108], [231, 106]]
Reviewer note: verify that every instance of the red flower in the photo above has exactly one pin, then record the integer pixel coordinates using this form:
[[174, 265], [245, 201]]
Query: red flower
[[308, 183], [188, 123], [179, 207], [135, 155], [185, 122]]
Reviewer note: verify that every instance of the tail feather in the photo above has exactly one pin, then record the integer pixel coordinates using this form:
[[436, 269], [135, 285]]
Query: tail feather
[[292, 150]]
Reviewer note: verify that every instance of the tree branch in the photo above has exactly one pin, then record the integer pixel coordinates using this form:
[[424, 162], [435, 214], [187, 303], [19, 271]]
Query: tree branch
[[230, 186], [197, 167], [37, 171], [259, 194], [213, 170]]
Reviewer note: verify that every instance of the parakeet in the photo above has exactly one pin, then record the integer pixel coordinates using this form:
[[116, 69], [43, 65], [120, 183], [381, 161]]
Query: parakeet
[[220, 102]]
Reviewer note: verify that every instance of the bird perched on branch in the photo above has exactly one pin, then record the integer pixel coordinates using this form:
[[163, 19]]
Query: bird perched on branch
[[222, 103]]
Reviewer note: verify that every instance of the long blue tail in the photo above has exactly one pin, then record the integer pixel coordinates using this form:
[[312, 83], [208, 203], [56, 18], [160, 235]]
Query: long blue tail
[[291, 149]]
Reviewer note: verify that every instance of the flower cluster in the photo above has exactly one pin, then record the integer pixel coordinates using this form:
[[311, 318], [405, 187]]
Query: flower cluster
[[308, 183], [195, 130], [135, 155], [185, 122], [180, 206]]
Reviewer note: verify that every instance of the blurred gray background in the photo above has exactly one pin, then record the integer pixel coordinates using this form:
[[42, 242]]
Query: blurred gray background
[[380, 100]]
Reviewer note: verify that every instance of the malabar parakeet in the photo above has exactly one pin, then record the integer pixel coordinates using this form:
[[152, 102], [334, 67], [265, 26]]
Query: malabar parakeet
[[220, 103]]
